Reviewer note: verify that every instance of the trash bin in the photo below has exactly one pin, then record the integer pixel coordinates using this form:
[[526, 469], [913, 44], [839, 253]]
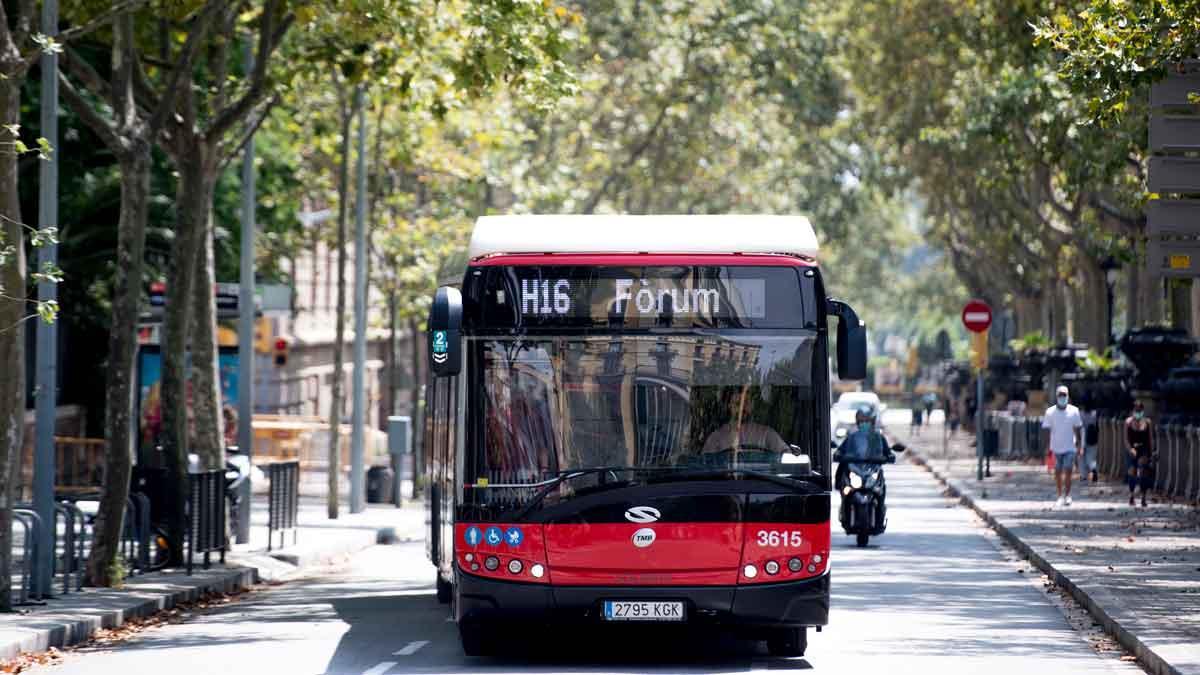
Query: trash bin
[[379, 484], [991, 442]]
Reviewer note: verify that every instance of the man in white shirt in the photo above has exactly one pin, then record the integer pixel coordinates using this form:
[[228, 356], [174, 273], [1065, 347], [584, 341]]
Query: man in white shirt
[[1066, 441]]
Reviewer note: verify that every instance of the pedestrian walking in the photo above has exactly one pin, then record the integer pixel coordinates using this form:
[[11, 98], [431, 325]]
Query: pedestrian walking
[[916, 421], [1091, 445], [1066, 441], [1140, 442], [929, 400]]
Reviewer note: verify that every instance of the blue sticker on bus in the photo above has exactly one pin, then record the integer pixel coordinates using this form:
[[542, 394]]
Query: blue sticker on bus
[[494, 536], [440, 344], [473, 536], [514, 536]]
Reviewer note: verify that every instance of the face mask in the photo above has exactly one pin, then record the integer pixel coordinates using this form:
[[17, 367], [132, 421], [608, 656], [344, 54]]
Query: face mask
[[1062, 401], [1139, 415], [864, 427]]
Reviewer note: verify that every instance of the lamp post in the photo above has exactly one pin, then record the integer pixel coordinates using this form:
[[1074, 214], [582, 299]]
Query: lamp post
[[1110, 267]]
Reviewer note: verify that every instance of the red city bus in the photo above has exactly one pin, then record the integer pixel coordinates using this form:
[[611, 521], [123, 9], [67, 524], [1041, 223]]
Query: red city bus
[[628, 420]]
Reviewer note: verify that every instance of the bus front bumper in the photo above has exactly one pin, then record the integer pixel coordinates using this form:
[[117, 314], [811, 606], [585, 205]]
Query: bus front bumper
[[785, 604]]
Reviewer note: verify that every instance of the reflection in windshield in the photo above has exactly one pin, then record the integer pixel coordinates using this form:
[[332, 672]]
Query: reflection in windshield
[[695, 401]]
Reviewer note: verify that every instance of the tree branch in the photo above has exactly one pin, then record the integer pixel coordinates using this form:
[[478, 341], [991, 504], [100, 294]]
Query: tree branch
[[25, 13], [87, 112], [87, 76], [183, 67], [268, 40], [99, 20], [229, 150]]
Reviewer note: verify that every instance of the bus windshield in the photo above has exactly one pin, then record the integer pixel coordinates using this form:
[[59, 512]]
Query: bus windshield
[[689, 400]]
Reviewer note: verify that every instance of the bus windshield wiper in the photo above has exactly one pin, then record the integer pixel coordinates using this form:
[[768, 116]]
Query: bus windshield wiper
[[731, 472], [571, 474]]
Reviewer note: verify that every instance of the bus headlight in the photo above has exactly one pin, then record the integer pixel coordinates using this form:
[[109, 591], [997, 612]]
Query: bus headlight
[[771, 567], [537, 571], [492, 563], [795, 564], [817, 558], [515, 566], [750, 571]]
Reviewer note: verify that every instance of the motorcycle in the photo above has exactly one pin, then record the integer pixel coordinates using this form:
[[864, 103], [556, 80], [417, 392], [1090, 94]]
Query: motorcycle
[[863, 512]]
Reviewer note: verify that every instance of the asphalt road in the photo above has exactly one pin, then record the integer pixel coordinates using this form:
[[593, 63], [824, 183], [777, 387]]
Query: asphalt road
[[933, 595]]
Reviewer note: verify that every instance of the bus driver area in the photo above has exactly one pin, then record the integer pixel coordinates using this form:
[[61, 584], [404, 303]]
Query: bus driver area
[[635, 433]]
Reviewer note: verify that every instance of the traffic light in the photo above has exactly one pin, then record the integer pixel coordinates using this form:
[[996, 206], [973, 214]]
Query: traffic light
[[262, 335], [281, 352]]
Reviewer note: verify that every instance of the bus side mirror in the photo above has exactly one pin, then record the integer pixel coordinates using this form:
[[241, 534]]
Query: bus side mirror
[[445, 333], [851, 342]]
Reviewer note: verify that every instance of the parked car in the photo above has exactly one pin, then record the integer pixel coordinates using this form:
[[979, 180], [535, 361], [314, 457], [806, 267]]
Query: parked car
[[841, 417]]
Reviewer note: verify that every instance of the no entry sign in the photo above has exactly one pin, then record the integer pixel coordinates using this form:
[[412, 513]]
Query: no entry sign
[[977, 316]]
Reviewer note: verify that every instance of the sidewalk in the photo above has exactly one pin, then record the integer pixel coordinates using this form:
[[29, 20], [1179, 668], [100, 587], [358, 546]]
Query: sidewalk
[[1136, 570], [70, 619]]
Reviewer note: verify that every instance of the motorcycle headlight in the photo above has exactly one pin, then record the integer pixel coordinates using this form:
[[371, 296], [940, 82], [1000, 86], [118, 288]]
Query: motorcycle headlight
[[871, 480], [855, 480], [840, 433]]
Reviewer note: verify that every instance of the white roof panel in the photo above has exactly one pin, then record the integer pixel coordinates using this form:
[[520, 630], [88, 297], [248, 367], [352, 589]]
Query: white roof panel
[[642, 234]]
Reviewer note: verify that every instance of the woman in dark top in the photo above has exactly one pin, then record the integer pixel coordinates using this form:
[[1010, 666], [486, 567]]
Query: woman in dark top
[[1140, 441]]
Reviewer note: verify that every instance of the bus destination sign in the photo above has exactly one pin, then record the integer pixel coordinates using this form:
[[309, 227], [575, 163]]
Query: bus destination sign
[[749, 296]]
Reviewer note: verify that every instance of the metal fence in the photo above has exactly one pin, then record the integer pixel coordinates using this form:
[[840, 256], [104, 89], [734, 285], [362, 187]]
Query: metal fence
[[1176, 465], [283, 500], [206, 517]]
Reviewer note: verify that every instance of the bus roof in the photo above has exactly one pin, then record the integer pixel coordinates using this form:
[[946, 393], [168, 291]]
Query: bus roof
[[494, 235]]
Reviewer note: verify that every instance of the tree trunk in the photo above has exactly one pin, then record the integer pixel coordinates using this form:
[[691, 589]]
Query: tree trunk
[[391, 362], [335, 413], [1090, 302], [417, 405], [103, 563], [12, 336], [192, 207], [209, 436]]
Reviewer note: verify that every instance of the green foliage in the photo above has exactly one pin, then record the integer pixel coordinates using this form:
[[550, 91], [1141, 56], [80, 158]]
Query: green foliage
[[1096, 362], [1032, 342], [1111, 50]]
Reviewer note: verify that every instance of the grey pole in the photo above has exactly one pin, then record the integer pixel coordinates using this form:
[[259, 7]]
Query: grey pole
[[245, 433], [47, 333], [357, 479], [979, 425]]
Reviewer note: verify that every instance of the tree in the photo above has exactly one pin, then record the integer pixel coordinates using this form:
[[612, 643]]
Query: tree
[[424, 55], [20, 47], [111, 110]]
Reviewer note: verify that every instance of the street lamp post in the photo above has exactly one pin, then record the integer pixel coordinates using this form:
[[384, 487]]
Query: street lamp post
[[1110, 267]]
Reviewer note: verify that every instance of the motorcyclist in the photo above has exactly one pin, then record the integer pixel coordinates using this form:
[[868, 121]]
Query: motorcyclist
[[864, 444]]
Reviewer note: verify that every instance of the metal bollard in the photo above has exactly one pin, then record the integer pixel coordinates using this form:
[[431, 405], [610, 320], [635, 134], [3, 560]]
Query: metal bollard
[[80, 540], [68, 553], [26, 569], [30, 552]]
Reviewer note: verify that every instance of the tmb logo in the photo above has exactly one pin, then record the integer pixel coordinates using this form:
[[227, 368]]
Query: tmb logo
[[642, 514], [644, 537]]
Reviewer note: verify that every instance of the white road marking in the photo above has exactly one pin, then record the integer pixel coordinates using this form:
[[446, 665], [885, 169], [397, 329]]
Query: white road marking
[[411, 648], [379, 668]]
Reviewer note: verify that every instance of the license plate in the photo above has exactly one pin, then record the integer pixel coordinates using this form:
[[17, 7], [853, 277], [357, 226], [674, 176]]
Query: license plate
[[642, 610]]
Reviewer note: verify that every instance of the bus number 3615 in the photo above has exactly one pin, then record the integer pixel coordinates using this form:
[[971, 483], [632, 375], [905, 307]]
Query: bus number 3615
[[778, 538]]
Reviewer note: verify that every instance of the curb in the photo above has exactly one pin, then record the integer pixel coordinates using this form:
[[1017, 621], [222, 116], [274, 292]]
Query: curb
[[1151, 660], [76, 621], [67, 627]]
